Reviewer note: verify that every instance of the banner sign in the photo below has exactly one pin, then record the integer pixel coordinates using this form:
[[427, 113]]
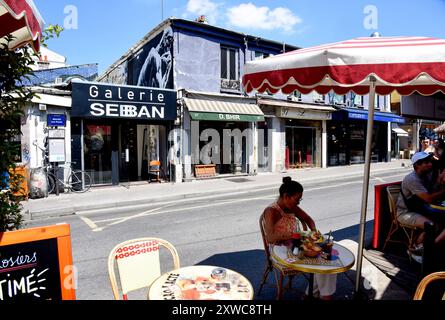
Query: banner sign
[[96, 100]]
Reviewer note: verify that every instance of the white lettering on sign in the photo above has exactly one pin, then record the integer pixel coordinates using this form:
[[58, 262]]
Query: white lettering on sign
[[229, 117], [25, 285], [126, 111], [112, 110], [94, 92], [20, 260], [97, 110], [148, 96]]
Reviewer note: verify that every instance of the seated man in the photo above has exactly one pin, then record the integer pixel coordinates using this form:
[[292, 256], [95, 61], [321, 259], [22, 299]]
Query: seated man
[[418, 189]]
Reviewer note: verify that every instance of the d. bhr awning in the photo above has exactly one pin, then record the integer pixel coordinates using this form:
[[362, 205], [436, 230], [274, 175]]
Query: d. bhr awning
[[216, 110]]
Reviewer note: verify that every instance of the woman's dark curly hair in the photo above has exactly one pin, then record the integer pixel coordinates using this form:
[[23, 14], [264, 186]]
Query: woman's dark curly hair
[[290, 187]]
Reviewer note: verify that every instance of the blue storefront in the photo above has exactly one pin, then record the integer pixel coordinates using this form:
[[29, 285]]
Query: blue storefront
[[347, 136]]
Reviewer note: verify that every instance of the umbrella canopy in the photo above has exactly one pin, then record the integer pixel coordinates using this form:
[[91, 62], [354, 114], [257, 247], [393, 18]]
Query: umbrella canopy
[[440, 129], [405, 64], [21, 19], [366, 65]]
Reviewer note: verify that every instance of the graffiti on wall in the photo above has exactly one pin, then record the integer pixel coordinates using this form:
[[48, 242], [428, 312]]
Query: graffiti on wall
[[25, 153]]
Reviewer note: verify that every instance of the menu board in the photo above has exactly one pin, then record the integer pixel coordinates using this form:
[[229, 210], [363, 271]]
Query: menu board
[[36, 264]]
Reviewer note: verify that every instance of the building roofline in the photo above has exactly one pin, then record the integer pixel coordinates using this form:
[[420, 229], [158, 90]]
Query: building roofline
[[193, 25], [135, 48]]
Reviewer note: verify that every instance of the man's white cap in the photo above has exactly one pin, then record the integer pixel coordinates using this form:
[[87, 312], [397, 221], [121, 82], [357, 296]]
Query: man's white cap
[[420, 156]]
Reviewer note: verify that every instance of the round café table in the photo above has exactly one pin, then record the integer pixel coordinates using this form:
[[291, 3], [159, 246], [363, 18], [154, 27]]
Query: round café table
[[197, 283], [342, 260]]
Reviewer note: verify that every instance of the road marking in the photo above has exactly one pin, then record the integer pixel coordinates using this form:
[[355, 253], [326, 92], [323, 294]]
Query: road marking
[[151, 213], [138, 215], [222, 202], [91, 224]]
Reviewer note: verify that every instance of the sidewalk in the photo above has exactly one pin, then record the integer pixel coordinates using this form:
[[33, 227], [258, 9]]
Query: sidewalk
[[143, 193]]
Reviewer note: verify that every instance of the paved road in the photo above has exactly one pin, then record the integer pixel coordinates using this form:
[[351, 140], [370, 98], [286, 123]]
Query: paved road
[[214, 230]]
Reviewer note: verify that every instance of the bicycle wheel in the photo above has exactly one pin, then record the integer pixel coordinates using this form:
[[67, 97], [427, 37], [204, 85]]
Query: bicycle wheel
[[80, 181], [51, 183]]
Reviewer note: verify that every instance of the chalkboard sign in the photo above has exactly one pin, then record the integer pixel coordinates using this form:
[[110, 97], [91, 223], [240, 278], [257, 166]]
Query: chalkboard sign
[[36, 264]]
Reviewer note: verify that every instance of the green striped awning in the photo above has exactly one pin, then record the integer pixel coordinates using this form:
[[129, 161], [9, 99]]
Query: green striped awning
[[216, 110]]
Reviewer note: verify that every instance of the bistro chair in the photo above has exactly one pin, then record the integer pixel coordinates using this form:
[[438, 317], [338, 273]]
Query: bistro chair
[[154, 171], [138, 264], [427, 281], [280, 272], [393, 192]]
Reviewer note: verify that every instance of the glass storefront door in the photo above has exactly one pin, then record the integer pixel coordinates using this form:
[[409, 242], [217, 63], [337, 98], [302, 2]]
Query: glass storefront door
[[128, 161]]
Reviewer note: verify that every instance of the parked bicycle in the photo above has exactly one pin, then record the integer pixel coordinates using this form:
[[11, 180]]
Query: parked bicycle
[[78, 181]]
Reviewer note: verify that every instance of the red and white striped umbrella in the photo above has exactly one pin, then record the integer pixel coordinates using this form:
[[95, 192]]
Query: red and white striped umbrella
[[364, 65], [21, 19], [405, 64]]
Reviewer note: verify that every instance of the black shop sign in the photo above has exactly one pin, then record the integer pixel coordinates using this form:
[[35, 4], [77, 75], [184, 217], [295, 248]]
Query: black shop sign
[[97, 100]]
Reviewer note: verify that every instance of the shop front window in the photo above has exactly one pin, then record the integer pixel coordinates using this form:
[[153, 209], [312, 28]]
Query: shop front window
[[357, 141], [300, 142], [337, 144], [97, 150]]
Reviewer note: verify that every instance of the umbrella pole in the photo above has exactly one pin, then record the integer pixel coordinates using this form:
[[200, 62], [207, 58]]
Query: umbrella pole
[[361, 239]]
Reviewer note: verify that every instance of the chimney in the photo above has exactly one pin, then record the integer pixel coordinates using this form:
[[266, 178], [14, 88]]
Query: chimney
[[201, 19]]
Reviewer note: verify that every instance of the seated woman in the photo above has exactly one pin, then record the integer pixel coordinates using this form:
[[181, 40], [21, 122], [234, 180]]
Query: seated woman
[[281, 222]]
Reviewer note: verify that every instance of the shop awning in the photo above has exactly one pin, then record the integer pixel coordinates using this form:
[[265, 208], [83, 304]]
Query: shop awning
[[400, 132], [288, 104], [349, 113], [298, 110], [54, 100], [216, 110], [440, 129]]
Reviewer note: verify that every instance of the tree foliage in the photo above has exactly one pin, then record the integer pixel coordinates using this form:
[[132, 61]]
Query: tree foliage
[[14, 68]]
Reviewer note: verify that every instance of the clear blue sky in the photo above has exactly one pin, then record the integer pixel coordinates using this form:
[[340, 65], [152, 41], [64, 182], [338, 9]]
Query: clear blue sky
[[101, 31]]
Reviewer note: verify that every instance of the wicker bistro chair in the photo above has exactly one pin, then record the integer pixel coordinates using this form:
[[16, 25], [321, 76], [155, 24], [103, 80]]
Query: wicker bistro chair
[[138, 264], [393, 192], [426, 281], [280, 272]]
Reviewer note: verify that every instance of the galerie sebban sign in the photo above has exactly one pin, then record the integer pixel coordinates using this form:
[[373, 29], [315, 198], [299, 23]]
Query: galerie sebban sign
[[95, 100]]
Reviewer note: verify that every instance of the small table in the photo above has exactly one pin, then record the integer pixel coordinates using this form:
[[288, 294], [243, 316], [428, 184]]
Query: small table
[[342, 261], [197, 283]]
